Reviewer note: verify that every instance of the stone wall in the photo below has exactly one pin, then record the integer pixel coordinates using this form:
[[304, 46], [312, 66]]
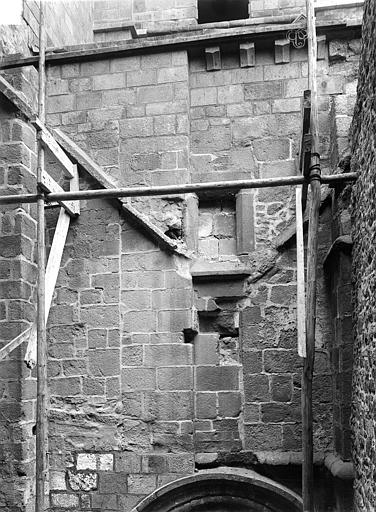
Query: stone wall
[[363, 233], [17, 308], [154, 357]]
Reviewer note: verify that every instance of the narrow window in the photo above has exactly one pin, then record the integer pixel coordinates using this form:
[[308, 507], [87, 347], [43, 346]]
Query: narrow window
[[211, 11]]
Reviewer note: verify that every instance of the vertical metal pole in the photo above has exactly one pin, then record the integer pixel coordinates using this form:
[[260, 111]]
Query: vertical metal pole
[[41, 425], [308, 365]]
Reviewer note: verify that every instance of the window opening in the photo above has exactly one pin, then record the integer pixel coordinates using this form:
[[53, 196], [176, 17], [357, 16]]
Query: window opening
[[212, 11]]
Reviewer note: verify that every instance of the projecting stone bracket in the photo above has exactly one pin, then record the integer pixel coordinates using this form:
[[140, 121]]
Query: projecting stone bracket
[[247, 55], [282, 51], [213, 58]]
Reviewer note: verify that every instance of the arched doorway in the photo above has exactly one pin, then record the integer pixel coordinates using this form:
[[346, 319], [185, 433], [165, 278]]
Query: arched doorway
[[222, 490]]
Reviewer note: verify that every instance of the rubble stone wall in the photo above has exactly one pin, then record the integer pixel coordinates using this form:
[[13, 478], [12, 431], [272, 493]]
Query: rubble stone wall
[[363, 233]]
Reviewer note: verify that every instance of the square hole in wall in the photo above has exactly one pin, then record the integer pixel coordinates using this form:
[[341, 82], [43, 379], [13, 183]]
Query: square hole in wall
[[212, 11]]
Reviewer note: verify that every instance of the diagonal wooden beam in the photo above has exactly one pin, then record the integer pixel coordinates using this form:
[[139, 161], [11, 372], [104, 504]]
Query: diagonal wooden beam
[[50, 185], [94, 170], [16, 342], [16, 97], [52, 271]]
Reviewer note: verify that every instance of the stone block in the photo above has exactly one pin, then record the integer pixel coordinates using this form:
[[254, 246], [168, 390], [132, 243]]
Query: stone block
[[141, 77], [206, 405], [138, 379], [175, 320], [136, 127], [165, 125], [261, 91], [62, 103], [104, 363], [252, 413], [113, 483], [156, 60], [168, 355], [96, 67], [287, 105], [206, 349], [100, 316], [283, 295], [132, 355], [57, 481], [86, 461], [217, 378], [229, 405], [142, 484], [174, 74], [93, 387], [281, 388], [104, 501], [74, 367], [168, 299], [82, 481], [277, 169], [155, 94], [66, 387], [109, 81], [275, 413], [263, 437], [252, 361], [136, 300], [127, 462], [247, 54], [213, 58], [139, 321], [256, 388], [64, 500], [169, 406], [230, 94], [170, 379], [281, 361], [204, 96]]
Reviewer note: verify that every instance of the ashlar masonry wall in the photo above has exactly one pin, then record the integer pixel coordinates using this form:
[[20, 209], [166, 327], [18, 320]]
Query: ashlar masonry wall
[[161, 363]]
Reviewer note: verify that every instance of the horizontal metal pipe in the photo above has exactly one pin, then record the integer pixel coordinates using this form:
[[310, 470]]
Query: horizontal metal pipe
[[175, 189]]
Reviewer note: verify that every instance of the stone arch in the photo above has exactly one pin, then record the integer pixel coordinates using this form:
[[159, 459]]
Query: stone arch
[[222, 490]]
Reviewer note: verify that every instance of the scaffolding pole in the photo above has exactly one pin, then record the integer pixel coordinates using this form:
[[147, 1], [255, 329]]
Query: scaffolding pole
[[315, 182], [166, 190], [41, 420]]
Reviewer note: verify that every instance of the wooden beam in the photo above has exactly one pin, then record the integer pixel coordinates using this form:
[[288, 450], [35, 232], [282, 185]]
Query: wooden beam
[[41, 446], [305, 144], [300, 280], [52, 271], [169, 43], [16, 342], [50, 143], [309, 360], [49, 185], [97, 173]]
